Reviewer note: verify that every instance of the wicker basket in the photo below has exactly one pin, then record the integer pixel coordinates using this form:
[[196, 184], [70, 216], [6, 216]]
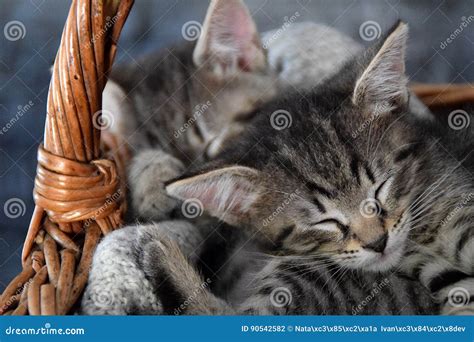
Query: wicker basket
[[78, 191]]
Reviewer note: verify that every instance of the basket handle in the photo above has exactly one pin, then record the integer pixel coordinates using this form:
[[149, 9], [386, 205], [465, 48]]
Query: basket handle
[[78, 192]]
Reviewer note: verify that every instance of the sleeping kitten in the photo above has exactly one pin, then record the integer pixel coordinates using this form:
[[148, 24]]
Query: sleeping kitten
[[179, 107], [141, 270], [377, 190]]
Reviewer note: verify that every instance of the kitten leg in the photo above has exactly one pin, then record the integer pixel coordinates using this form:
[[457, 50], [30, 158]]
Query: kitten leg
[[118, 283], [453, 275], [148, 171], [451, 286], [445, 266], [181, 290], [459, 298]]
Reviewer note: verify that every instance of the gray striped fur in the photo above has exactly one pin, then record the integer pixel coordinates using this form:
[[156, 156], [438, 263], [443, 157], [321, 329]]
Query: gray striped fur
[[152, 270], [317, 175]]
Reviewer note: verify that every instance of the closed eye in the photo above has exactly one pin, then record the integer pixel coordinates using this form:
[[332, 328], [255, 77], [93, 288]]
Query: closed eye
[[382, 191], [243, 117], [331, 225]]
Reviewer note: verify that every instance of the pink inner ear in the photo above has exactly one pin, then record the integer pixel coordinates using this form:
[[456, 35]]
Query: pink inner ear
[[233, 203], [242, 27], [244, 35], [208, 196], [233, 26], [399, 67]]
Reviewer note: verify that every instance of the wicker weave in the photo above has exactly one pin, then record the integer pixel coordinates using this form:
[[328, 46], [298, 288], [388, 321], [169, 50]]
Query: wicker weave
[[78, 191]]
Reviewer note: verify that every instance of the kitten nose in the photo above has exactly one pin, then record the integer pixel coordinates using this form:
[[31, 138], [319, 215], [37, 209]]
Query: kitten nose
[[378, 245]]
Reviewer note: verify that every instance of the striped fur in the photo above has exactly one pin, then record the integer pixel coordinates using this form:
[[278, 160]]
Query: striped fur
[[152, 103], [151, 269], [177, 108], [359, 177]]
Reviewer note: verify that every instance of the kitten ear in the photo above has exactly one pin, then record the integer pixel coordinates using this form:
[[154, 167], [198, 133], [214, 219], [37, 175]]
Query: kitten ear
[[384, 80], [226, 193], [230, 38]]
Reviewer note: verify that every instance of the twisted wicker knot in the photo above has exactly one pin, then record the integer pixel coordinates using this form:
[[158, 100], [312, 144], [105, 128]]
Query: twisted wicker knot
[[71, 191]]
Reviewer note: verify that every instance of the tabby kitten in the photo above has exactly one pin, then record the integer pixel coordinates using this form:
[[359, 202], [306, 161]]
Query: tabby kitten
[[151, 269], [179, 107], [376, 189]]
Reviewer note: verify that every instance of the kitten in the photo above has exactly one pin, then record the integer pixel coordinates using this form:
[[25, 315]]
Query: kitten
[[178, 108], [376, 189]]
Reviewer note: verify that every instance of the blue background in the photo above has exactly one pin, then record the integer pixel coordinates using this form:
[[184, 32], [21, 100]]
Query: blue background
[[202, 328]]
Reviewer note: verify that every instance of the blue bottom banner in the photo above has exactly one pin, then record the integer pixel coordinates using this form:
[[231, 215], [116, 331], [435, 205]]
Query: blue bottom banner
[[237, 328]]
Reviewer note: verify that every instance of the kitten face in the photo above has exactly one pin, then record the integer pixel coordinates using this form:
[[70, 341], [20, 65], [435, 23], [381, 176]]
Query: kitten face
[[229, 104], [191, 98], [360, 221], [232, 73], [319, 188]]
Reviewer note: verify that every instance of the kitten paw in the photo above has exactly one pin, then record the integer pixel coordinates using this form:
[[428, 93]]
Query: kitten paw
[[117, 285], [148, 172]]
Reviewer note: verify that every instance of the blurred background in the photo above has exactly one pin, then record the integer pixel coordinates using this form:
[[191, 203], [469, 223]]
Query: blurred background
[[441, 49]]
